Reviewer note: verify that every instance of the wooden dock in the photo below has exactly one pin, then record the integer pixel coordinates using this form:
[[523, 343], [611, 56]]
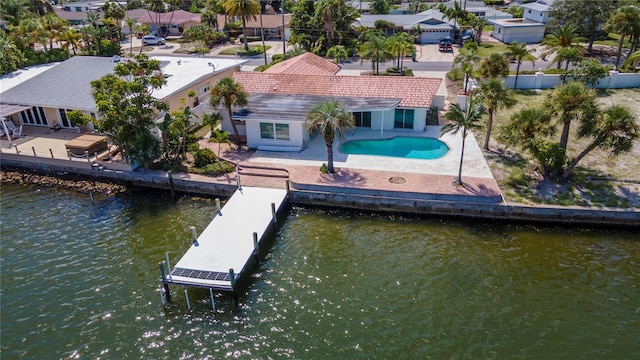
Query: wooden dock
[[222, 251]]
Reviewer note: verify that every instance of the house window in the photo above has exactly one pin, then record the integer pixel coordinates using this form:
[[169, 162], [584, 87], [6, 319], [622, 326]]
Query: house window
[[403, 119], [362, 119], [63, 118], [204, 88], [34, 116], [274, 131]]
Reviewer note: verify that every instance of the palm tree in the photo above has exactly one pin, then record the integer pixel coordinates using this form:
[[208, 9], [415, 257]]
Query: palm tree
[[211, 120], [562, 37], [399, 45], [93, 18], [12, 11], [229, 93], [570, 55], [11, 58], [463, 120], [625, 21], [373, 49], [330, 119], [455, 13], [478, 27], [131, 25], [494, 65], [220, 137], [328, 11], [574, 101], [468, 59], [633, 60], [70, 38], [40, 7], [113, 10], [615, 130], [245, 10], [495, 96], [519, 52], [338, 53]]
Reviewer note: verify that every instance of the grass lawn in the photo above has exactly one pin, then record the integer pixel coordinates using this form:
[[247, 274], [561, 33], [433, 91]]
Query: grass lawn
[[614, 40], [600, 179], [234, 49], [485, 49]]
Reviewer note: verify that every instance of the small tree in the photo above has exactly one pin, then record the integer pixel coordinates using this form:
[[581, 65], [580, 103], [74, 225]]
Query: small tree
[[467, 59], [330, 119], [614, 130], [380, 7], [589, 72], [229, 93], [338, 53], [463, 121], [494, 66], [127, 107], [495, 96], [519, 52]]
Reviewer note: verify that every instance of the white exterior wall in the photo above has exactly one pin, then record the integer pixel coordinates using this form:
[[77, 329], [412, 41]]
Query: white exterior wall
[[298, 134], [528, 35], [615, 80], [536, 15], [434, 36]]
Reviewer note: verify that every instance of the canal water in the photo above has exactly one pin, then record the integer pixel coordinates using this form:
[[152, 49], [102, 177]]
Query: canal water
[[79, 280]]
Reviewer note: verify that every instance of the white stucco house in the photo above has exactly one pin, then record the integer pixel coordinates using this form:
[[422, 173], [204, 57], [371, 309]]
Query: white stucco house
[[280, 99], [530, 29], [433, 24]]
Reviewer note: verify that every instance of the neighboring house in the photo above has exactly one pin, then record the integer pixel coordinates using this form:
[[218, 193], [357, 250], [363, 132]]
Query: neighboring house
[[272, 24], [432, 24], [530, 29], [45, 98], [169, 23], [279, 102], [73, 17], [538, 11]]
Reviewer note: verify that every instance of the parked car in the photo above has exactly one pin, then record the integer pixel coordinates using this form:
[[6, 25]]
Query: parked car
[[152, 40], [445, 45]]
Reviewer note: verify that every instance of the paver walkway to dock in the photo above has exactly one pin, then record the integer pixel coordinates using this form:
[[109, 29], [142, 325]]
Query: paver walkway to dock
[[227, 242]]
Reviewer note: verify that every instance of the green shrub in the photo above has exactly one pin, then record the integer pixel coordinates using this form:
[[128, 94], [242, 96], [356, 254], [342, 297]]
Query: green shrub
[[204, 157], [456, 74], [393, 71], [277, 57], [324, 169], [193, 148]]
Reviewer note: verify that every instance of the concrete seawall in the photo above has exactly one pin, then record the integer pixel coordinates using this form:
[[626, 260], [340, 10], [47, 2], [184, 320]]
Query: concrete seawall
[[349, 200]]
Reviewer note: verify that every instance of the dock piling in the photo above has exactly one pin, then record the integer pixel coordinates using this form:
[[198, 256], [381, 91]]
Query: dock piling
[[34, 151], [166, 257], [232, 277], [186, 295], [86, 153], [194, 236], [256, 248], [161, 296], [213, 303], [18, 151], [274, 214], [238, 176], [51, 152], [164, 281], [288, 186], [218, 208]]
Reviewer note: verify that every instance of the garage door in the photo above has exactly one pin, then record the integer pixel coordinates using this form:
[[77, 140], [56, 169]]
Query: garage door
[[433, 36]]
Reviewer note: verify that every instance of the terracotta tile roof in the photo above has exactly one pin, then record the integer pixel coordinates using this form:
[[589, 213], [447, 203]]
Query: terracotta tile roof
[[413, 91], [176, 17], [305, 64]]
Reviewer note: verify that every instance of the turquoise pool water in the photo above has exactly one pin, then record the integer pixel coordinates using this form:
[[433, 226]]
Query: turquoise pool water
[[403, 147]]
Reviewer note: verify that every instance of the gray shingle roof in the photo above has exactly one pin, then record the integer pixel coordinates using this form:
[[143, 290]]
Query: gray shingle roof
[[65, 86]]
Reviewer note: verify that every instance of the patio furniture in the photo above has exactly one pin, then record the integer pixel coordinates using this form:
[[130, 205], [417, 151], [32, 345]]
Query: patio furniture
[[15, 131], [89, 143]]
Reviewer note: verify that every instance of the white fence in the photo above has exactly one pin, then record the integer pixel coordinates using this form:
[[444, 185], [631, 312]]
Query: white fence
[[539, 80]]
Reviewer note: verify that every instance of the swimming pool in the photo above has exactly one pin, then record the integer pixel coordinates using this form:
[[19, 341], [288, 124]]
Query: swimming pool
[[403, 147]]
